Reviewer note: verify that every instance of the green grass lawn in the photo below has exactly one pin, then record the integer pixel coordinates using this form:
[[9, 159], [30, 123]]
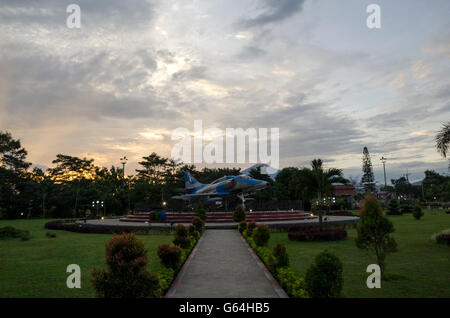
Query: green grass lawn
[[420, 268], [37, 268]]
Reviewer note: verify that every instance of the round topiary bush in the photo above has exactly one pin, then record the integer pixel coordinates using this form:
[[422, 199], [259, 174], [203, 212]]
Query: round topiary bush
[[200, 211], [242, 226], [406, 208], [127, 275], [261, 235], [417, 212], [170, 256], [191, 229], [324, 278], [281, 256], [393, 207], [182, 241], [181, 231], [239, 214], [195, 235], [250, 227], [199, 224]]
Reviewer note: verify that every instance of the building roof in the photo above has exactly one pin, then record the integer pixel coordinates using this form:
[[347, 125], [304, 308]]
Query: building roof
[[341, 189]]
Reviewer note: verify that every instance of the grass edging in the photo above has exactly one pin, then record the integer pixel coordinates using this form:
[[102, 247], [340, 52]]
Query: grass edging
[[177, 277], [291, 284]]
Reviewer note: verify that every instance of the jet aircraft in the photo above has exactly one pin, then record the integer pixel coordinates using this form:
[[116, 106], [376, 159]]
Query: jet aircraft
[[240, 186]]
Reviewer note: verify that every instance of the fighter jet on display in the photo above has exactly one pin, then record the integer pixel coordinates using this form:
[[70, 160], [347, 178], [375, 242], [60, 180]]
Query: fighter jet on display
[[240, 186]]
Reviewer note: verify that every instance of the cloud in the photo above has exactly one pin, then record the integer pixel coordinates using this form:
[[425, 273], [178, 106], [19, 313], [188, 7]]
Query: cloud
[[273, 11]]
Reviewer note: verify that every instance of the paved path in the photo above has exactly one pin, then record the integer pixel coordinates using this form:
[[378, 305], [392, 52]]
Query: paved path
[[222, 266]]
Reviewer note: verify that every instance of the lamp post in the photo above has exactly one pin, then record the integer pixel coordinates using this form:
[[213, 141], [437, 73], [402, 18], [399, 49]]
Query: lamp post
[[123, 161], [97, 204], [383, 160]]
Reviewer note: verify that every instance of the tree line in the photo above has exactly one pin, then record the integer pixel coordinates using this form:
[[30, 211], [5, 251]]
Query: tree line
[[72, 184]]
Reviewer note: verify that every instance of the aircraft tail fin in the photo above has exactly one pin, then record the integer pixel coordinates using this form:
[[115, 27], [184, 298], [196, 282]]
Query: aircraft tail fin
[[190, 183]]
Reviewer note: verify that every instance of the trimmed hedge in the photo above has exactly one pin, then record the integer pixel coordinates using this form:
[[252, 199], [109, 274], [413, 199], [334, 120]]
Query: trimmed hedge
[[242, 226], [417, 212], [443, 239], [239, 214], [261, 235], [170, 256], [127, 274], [324, 277], [280, 254], [11, 232], [199, 224], [167, 274], [340, 213], [250, 227], [317, 235], [394, 213], [276, 262]]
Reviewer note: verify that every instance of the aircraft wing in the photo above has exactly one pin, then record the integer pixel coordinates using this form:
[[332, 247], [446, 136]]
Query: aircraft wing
[[191, 196]]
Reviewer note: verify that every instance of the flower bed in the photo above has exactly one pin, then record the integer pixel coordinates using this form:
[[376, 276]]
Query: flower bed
[[70, 225]]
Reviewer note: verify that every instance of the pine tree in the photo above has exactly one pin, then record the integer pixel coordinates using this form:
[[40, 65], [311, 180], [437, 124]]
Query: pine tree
[[368, 179]]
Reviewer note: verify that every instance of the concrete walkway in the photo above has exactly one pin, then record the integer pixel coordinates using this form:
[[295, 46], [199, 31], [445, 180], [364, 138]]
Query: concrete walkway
[[223, 266]]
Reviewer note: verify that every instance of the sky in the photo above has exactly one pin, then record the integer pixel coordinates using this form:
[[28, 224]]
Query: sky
[[136, 70]]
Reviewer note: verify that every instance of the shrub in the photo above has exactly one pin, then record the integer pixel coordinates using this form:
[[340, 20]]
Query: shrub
[[280, 254], [340, 213], [70, 225], [11, 232], [324, 277], [181, 231], [242, 226], [182, 241], [239, 214], [170, 256], [318, 235], [165, 276], [292, 284], [417, 212], [250, 227], [442, 237], [393, 207], [261, 235], [200, 211], [199, 224], [191, 229], [127, 275], [373, 232], [406, 208], [195, 235]]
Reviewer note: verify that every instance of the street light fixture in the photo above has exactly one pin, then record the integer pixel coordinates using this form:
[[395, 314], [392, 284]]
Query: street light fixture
[[97, 204], [383, 160], [123, 161]]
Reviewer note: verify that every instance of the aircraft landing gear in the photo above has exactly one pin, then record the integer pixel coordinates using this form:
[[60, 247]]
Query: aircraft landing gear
[[242, 198]]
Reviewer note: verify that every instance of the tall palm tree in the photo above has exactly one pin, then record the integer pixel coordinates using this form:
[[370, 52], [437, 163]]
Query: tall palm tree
[[443, 139], [323, 179]]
